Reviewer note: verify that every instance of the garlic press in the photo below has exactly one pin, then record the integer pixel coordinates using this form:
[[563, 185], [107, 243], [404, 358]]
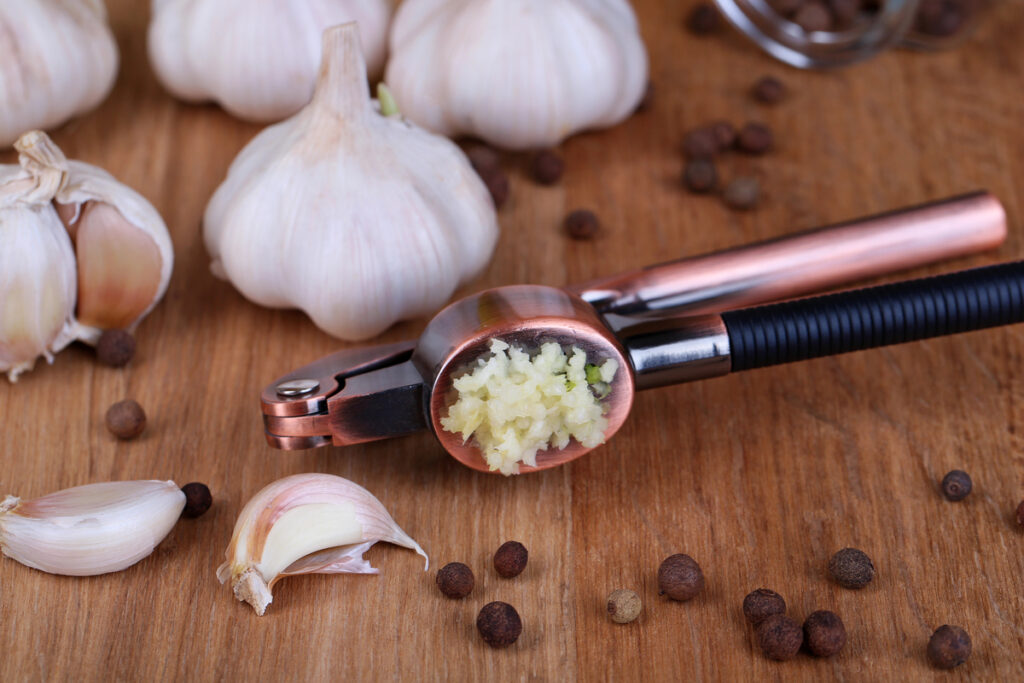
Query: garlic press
[[665, 324]]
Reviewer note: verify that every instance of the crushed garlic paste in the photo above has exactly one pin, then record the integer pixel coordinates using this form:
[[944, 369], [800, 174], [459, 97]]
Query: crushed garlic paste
[[515, 405]]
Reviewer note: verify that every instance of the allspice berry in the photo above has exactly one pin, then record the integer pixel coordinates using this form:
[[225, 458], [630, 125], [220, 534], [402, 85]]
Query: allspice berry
[[624, 606], [510, 559], [198, 499], [761, 604], [699, 175], [582, 224], [768, 90], [956, 485], [547, 167], [779, 637], [487, 164], [742, 194], [725, 135], [852, 568], [126, 419], [455, 580], [115, 348], [755, 138], [824, 633], [680, 577], [949, 647], [499, 624], [702, 143]]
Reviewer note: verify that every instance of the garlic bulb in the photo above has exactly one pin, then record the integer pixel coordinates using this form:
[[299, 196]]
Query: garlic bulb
[[519, 74], [357, 218], [79, 253], [305, 524], [92, 529], [257, 60], [58, 59]]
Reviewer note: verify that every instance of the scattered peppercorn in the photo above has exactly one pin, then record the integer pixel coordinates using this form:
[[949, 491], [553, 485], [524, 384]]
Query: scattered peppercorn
[[115, 348], [701, 143], [852, 568], [510, 559], [761, 604], [941, 18], [755, 138], [198, 499], [546, 167], [949, 647], [699, 175], [780, 637], [725, 135], [487, 164], [956, 485], [624, 606], [499, 624], [1020, 513], [813, 16], [126, 419], [680, 577], [647, 100], [768, 90], [455, 580], [742, 194], [824, 633], [582, 224], [704, 19]]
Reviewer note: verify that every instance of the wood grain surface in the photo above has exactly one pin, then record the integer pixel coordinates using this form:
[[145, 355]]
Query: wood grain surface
[[759, 476]]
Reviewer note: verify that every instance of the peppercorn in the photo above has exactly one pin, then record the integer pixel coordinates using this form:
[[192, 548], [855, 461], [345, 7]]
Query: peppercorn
[[115, 348], [779, 637], [742, 194], [1020, 513], [949, 647], [483, 159], [198, 499], [845, 12], [940, 18], [761, 604], [786, 7], [699, 175], [725, 135], [680, 577], [647, 100], [852, 568], [487, 164], [510, 559], [768, 90], [126, 419], [546, 167], [755, 138], [956, 485], [624, 606], [704, 19], [455, 580], [582, 224], [824, 633], [499, 624], [812, 17], [701, 143]]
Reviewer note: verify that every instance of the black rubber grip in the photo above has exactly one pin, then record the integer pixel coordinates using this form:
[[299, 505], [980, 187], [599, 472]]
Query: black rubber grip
[[876, 316]]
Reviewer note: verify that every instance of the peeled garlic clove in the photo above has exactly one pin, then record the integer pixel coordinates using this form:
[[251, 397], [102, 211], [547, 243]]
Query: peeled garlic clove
[[563, 66], [92, 529], [58, 59], [359, 219], [305, 524], [122, 246], [257, 60]]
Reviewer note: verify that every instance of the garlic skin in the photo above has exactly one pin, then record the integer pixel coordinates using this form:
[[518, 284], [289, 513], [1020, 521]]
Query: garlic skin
[[305, 524], [92, 529], [520, 74], [359, 219], [58, 59], [257, 60]]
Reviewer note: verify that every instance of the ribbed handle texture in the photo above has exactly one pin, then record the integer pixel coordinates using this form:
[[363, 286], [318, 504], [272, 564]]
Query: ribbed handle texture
[[876, 316]]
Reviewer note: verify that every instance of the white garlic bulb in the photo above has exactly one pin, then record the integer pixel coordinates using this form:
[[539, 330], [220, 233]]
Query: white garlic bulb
[[91, 529], [357, 218], [58, 59], [519, 74], [79, 253], [258, 60]]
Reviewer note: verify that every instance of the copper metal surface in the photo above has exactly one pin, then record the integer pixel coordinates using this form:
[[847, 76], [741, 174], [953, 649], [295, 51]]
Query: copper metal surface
[[805, 263]]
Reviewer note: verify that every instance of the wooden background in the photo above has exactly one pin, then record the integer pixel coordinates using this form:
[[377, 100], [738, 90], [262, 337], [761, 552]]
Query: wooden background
[[760, 476]]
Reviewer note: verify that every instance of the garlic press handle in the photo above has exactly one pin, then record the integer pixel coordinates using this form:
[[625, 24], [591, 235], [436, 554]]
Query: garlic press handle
[[805, 263]]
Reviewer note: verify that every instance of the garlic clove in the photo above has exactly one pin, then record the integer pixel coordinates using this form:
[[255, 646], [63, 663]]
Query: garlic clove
[[92, 529], [305, 524]]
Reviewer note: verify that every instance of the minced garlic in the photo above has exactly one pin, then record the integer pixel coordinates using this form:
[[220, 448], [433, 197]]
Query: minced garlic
[[515, 405]]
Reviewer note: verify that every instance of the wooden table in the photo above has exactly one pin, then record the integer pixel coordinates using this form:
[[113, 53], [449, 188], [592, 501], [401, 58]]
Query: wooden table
[[760, 476]]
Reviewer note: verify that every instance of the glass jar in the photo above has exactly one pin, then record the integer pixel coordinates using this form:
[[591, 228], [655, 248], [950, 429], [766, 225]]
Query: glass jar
[[792, 32]]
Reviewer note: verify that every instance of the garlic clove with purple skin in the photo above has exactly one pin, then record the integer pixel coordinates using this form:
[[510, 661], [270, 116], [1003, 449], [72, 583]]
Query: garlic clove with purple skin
[[305, 524]]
